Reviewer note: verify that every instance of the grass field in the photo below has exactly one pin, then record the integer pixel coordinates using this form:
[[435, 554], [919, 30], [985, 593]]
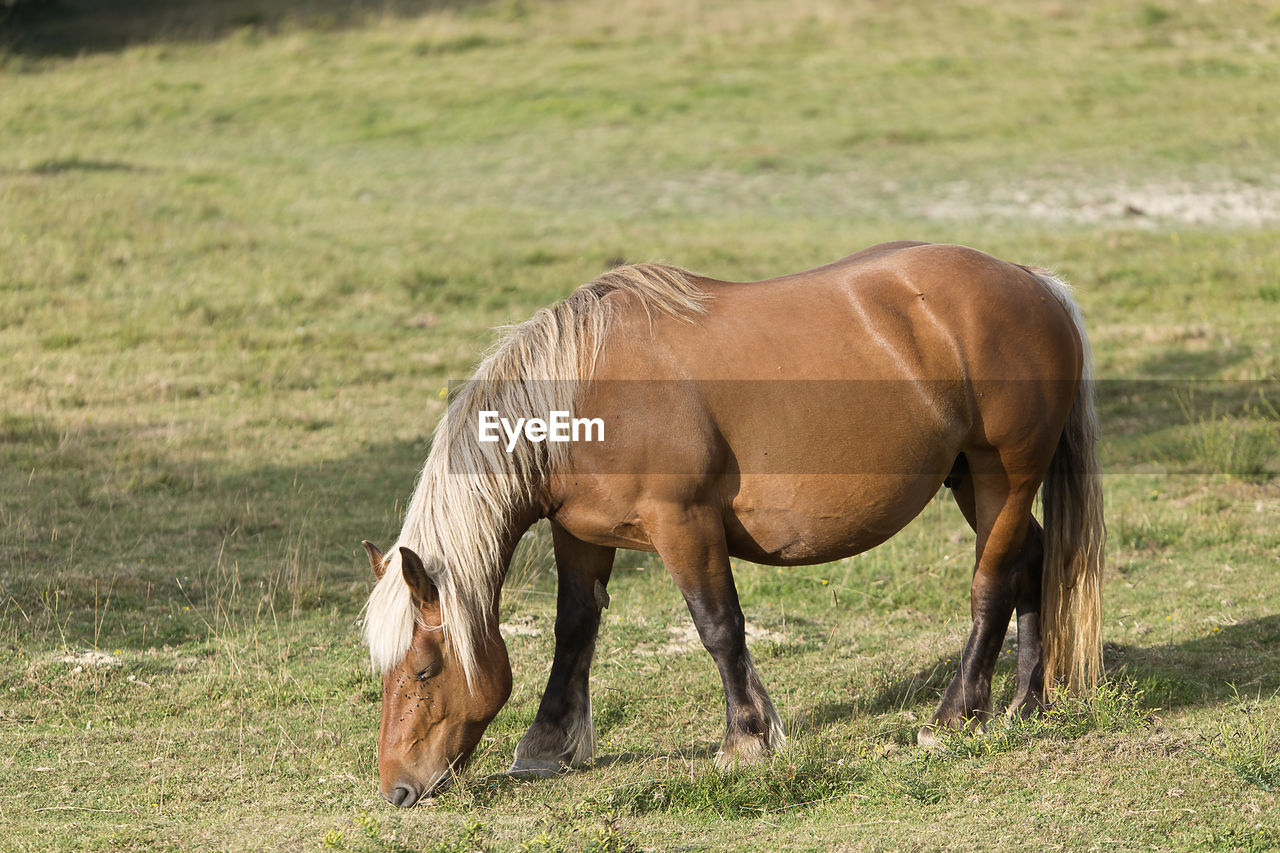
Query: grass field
[[243, 249]]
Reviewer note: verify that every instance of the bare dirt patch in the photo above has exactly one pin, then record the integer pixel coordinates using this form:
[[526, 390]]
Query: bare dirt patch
[[90, 658], [684, 638], [520, 626], [1223, 204]]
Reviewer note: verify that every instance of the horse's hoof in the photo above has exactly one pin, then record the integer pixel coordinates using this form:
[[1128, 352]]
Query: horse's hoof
[[1025, 707], [743, 751], [730, 760], [931, 736], [536, 768], [927, 737]]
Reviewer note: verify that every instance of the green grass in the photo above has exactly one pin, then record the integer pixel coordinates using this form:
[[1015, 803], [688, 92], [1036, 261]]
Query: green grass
[[1248, 745], [244, 247]]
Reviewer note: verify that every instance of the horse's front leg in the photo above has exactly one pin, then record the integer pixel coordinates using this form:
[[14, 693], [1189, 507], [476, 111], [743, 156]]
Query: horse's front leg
[[691, 542], [562, 735]]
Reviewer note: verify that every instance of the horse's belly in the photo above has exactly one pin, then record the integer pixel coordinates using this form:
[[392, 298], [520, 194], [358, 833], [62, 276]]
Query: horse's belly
[[818, 518]]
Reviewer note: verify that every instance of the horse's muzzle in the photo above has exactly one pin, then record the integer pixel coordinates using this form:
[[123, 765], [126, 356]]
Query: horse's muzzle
[[404, 795], [408, 792]]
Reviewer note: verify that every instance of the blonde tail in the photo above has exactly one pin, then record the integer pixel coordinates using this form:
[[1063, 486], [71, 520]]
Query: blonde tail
[[1075, 535]]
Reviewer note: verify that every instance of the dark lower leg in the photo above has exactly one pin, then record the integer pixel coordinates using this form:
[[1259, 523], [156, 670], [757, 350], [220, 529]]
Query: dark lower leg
[[694, 550], [1001, 517], [562, 734], [1030, 696], [752, 725], [1026, 579], [967, 700]]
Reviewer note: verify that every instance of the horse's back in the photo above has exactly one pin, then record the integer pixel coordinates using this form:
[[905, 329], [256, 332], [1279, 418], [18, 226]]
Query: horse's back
[[896, 311]]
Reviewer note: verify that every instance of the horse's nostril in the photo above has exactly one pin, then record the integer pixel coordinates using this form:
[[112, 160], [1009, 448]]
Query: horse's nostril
[[402, 795]]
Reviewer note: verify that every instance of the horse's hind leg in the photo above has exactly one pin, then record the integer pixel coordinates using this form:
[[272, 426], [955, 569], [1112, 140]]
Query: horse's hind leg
[[691, 542], [1026, 578], [562, 734], [998, 506]]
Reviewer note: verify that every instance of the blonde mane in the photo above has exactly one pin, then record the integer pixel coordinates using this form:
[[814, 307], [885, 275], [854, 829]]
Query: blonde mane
[[468, 492]]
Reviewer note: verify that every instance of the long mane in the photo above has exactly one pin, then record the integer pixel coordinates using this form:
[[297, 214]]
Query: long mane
[[468, 492]]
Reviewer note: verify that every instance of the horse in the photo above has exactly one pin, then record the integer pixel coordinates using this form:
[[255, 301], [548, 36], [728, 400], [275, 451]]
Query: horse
[[792, 421]]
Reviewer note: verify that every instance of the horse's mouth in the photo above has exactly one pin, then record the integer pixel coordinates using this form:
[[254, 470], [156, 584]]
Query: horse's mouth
[[408, 793]]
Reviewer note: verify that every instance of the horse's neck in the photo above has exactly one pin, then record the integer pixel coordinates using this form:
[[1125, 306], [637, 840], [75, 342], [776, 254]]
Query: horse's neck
[[516, 528]]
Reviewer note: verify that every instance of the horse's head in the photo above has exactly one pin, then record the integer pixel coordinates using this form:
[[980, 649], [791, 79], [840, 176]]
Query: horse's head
[[431, 718]]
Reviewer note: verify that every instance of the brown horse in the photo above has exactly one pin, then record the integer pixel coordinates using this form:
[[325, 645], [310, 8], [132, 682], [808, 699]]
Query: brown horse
[[789, 422]]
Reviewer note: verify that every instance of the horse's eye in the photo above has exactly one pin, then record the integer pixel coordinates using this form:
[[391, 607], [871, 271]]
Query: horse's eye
[[428, 671]]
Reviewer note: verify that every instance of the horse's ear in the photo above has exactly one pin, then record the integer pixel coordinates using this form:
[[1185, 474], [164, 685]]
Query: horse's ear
[[416, 576], [375, 559]]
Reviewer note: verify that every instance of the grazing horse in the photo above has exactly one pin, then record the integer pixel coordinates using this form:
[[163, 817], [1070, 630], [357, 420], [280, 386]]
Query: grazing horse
[[788, 422]]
